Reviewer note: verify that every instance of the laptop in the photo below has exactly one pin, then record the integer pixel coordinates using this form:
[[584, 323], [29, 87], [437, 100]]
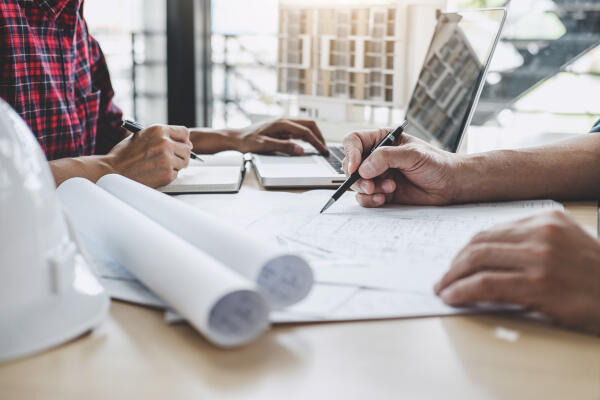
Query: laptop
[[440, 109]]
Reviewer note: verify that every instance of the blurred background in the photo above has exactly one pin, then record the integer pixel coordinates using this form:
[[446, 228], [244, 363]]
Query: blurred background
[[544, 78]]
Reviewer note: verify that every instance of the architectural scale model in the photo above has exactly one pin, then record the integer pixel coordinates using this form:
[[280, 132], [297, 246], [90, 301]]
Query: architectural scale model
[[337, 58]]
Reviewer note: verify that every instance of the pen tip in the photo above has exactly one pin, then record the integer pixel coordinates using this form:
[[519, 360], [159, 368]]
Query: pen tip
[[329, 203]]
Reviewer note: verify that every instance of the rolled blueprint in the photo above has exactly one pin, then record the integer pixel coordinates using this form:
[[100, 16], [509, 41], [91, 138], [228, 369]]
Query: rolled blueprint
[[284, 278], [226, 308]]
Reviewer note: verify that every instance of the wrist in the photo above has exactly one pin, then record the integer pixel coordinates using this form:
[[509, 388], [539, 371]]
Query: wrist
[[468, 178], [207, 141], [234, 139], [479, 177], [88, 167], [107, 164]]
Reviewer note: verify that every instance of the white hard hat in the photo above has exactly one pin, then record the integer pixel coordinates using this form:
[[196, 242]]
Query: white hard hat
[[48, 293]]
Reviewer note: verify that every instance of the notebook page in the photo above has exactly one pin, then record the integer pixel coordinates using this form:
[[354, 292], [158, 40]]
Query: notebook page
[[284, 277], [220, 172], [224, 307]]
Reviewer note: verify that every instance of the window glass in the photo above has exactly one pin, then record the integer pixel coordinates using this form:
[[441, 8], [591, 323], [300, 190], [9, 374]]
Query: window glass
[[132, 34], [546, 72]]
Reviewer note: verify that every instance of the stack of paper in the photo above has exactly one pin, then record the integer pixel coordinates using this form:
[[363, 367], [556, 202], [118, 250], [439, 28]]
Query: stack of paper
[[368, 263]]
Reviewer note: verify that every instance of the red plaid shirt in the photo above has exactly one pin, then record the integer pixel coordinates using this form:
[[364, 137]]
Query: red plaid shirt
[[54, 75]]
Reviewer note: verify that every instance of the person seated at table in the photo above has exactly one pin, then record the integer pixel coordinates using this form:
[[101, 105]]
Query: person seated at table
[[547, 263], [53, 73]]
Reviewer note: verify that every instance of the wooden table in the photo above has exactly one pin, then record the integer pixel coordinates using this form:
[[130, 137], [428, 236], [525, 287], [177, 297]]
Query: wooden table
[[135, 355]]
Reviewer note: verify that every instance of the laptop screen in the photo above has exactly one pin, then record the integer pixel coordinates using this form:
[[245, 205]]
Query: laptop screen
[[453, 75]]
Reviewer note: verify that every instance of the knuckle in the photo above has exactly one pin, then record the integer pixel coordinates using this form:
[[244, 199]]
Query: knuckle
[[411, 148], [185, 131], [360, 199], [484, 282], [288, 146], [479, 237], [538, 279], [164, 143], [556, 214], [306, 132], [385, 153], [155, 129], [355, 138], [475, 255], [550, 231], [544, 253], [348, 142]]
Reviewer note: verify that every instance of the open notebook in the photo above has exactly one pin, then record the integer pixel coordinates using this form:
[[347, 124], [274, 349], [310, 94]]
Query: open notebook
[[223, 280], [218, 173]]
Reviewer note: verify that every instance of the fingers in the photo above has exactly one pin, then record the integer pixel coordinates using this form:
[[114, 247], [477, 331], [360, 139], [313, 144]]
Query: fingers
[[370, 187], [177, 163], [272, 145], [371, 201], [488, 286], [478, 257], [298, 131], [356, 144], [179, 134], [353, 159], [176, 133], [510, 232], [405, 158], [312, 125], [182, 152]]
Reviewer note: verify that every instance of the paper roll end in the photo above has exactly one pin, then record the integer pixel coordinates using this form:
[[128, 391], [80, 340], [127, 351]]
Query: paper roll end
[[238, 318], [286, 280]]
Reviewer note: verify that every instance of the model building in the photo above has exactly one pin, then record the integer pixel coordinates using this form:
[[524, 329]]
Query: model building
[[334, 57]]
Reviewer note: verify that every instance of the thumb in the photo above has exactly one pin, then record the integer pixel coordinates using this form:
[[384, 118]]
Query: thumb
[[272, 145], [403, 158], [353, 160]]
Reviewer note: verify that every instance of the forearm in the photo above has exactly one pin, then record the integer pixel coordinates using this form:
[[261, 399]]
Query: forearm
[[209, 141], [89, 167], [564, 171]]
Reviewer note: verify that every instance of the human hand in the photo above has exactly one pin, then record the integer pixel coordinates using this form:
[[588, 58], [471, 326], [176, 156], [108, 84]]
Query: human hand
[[275, 136], [152, 156], [411, 173], [547, 263]]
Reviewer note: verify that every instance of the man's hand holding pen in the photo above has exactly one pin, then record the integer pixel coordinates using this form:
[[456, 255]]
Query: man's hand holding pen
[[413, 172]]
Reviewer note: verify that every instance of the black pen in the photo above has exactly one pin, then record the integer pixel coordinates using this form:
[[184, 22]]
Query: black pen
[[135, 127], [388, 140]]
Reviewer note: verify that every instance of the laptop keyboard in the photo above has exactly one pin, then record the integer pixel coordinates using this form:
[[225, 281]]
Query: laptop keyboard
[[335, 158]]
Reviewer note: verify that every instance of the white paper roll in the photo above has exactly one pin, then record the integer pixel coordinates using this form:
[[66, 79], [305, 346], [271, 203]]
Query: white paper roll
[[284, 278], [226, 308]]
